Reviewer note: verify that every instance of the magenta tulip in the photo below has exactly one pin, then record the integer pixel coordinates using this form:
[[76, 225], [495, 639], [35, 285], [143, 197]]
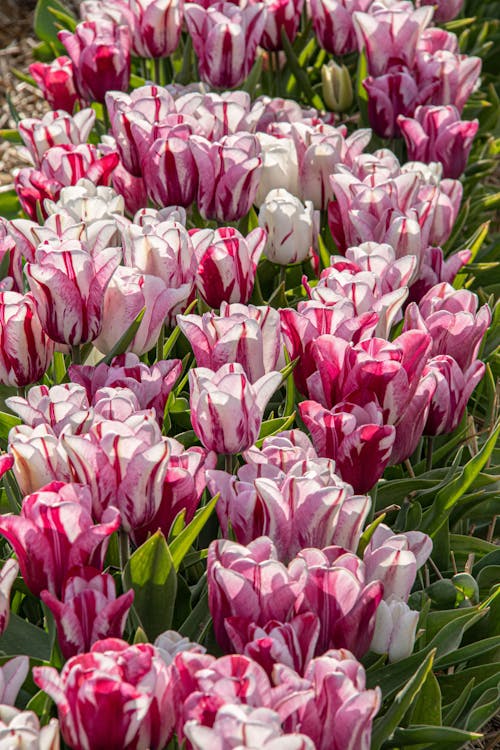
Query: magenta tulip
[[333, 23], [56, 81], [453, 390]]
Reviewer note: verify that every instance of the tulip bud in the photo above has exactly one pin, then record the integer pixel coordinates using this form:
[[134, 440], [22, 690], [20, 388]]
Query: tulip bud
[[337, 86], [291, 227], [395, 627]]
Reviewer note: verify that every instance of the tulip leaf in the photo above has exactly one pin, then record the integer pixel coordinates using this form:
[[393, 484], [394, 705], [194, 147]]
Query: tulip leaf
[[184, 541], [21, 637], [151, 573], [46, 25], [300, 74], [125, 340], [172, 339], [9, 204], [485, 708], [383, 728], [197, 622], [450, 495], [368, 533], [469, 652], [452, 712], [428, 704], [417, 735], [11, 135], [273, 426]]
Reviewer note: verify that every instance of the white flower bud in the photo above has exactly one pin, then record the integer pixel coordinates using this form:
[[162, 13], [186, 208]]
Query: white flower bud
[[291, 227]]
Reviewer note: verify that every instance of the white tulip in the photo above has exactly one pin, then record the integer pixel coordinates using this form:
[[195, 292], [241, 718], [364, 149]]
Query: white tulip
[[395, 629], [291, 227]]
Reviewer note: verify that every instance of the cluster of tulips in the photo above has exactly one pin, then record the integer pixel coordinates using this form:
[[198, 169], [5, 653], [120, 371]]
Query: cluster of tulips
[[146, 244]]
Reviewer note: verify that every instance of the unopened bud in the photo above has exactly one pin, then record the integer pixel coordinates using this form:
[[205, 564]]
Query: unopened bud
[[337, 86]]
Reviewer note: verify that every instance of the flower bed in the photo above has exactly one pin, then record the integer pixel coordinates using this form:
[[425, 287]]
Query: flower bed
[[248, 366]]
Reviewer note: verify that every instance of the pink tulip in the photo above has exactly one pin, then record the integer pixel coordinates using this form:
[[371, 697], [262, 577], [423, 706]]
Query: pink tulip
[[229, 172], [184, 482], [301, 327], [32, 188], [68, 283], [129, 683], [248, 727], [355, 437], [434, 39], [434, 270], [227, 263], [247, 335], [333, 23], [8, 575], [249, 582], [100, 54], [25, 349], [225, 40], [284, 451], [61, 407], [295, 511], [157, 27], [446, 211], [127, 294], [395, 558], [170, 172], [331, 704], [56, 81], [132, 189], [444, 10], [453, 390], [452, 320], [389, 35], [393, 96], [226, 409], [438, 134], [54, 532], [15, 257], [411, 426], [292, 643], [453, 77], [150, 384], [281, 15], [53, 129], [88, 610], [38, 456], [125, 464]]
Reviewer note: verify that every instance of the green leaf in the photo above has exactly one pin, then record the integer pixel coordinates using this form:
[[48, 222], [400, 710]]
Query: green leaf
[[21, 637], [150, 572], [9, 204], [368, 533], [273, 426], [384, 727], [417, 735], [124, 342], [198, 621], [300, 73], [484, 709], [7, 422], [466, 653], [450, 495], [428, 705], [453, 710], [184, 541], [11, 135], [170, 342], [46, 25]]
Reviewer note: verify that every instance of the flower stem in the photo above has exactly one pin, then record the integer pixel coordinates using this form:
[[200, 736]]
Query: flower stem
[[123, 549], [429, 446], [76, 355], [228, 463]]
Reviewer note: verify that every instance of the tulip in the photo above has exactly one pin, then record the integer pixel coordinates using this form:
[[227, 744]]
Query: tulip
[[157, 27], [78, 212], [25, 349], [54, 532], [88, 610], [336, 86], [355, 437], [128, 293], [333, 23], [438, 134], [395, 558], [151, 385], [281, 16], [12, 254], [280, 168], [8, 575], [21, 729], [60, 407], [446, 211], [295, 511], [170, 172], [55, 128], [229, 172], [68, 164], [444, 10], [391, 97], [100, 54], [226, 409], [249, 582], [32, 188], [291, 227], [284, 451], [68, 284], [411, 426], [13, 672], [38, 456], [170, 643], [260, 727], [129, 683], [225, 40], [434, 269], [453, 390], [184, 482], [125, 464], [227, 263], [331, 704], [453, 77], [389, 36], [247, 335], [56, 81], [395, 629], [452, 320]]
